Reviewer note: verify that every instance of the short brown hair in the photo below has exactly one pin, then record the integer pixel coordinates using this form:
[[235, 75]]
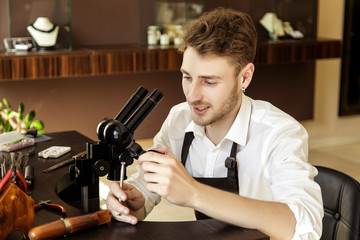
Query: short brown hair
[[223, 32]]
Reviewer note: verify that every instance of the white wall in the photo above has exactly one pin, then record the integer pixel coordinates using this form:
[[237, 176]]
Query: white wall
[[327, 127]]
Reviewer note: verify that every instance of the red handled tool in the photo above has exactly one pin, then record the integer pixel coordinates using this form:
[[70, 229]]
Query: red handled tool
[[14, 174], [46, 204]]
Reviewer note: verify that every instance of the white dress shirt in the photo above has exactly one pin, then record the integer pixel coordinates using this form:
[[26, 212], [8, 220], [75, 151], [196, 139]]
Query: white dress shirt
[[272, 159]]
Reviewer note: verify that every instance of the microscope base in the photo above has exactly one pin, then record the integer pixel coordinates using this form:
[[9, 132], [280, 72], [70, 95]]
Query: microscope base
[[71, 194]]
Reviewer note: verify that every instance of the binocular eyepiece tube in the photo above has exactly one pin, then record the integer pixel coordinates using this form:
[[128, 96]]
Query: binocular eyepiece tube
[[120, 129], [125, 112]]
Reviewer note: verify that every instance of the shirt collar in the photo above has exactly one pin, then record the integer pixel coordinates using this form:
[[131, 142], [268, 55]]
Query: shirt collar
[[199, 131], [239, 129]]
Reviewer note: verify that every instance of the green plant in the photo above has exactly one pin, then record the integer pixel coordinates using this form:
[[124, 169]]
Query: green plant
[[11, 120]]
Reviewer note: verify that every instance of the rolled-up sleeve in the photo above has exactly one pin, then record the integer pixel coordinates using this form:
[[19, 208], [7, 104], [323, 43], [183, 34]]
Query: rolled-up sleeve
[[293, 182], [151, 199]]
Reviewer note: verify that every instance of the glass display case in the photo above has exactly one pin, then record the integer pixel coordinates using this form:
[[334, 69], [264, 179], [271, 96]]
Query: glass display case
[[114, 40], [285, 19], [171, 16], [177, 12], [35, 25]]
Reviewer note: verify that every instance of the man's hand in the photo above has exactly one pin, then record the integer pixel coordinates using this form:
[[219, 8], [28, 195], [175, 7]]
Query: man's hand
[[167, 177], [127, 204]]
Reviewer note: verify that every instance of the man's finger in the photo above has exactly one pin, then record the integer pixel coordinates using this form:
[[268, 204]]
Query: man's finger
[[153, 178], [152, 157], [117, 191], [114, 204], [153, 167], [124, 218]]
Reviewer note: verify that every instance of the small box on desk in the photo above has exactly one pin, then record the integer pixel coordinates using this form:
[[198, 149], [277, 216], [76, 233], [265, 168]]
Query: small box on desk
[[12, 141]]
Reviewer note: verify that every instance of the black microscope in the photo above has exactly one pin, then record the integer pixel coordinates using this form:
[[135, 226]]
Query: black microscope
[[114, 151]]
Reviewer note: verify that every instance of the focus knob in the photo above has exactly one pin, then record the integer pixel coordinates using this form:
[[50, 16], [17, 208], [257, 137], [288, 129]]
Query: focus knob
[[101, 167]]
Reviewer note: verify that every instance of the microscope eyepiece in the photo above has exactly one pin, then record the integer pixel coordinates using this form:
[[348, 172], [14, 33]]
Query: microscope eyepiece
[[117, 134], [132, 104], [144, 110]]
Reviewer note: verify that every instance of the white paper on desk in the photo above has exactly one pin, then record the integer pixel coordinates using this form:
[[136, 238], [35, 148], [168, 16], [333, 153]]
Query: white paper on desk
[[9, 137]]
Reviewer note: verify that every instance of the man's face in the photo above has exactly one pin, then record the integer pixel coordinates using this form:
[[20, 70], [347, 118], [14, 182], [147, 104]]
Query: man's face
[[210, 89]]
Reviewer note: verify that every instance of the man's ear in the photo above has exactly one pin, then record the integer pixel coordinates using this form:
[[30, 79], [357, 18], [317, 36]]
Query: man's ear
[[246, 75]]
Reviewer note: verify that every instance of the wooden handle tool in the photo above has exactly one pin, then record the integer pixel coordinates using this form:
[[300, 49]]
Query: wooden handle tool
[[67, 226]]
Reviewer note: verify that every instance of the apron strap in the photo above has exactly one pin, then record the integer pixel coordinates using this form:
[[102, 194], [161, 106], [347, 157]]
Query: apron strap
[[189, 136], [230, 183], [231, 165], [230, 162]]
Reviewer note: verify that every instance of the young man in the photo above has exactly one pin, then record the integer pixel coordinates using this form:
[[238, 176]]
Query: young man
[[245, 160]]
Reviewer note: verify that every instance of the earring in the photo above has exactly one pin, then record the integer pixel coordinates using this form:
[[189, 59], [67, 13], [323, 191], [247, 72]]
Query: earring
[[243, 89]]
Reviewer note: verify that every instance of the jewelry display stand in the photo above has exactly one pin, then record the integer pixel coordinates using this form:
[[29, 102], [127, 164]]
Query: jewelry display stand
[[46, 22], [44, 32], [278, 20]]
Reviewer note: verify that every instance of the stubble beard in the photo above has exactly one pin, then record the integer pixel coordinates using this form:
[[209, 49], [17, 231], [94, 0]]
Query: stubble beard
[[221, 113]]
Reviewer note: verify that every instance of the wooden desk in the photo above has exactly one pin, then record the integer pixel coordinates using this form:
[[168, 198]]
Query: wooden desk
[[44, 189]]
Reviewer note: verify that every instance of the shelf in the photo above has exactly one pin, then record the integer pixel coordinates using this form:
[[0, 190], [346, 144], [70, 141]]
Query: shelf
[[124, 59], [294, 51]]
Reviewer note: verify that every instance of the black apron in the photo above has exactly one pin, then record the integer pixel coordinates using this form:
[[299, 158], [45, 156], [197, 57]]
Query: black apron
[[230, 183]]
